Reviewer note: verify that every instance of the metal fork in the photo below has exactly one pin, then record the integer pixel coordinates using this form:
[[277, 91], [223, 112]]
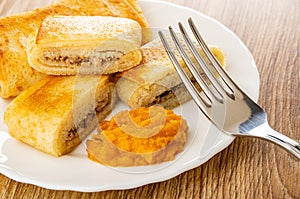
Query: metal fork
[[240, 115]]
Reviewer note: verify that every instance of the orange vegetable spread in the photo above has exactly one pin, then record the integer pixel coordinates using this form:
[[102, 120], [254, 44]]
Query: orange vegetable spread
[[138, 137]]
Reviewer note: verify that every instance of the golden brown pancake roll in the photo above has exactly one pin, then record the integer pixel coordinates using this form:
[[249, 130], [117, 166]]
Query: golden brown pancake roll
[[57, 112], [68, 45], [155, 80]]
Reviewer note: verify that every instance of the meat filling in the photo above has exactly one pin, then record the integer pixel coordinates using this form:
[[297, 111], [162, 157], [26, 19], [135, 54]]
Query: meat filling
[[75, 131], [94, 59], [168, 94], [80, 129]]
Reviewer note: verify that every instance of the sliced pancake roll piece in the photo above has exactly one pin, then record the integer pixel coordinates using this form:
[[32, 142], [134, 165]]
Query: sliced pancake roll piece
[[69, 45], [155, 80], [57, 112]]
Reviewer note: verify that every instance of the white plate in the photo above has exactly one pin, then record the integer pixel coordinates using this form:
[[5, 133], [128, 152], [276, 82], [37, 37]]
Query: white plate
[[76, 172]]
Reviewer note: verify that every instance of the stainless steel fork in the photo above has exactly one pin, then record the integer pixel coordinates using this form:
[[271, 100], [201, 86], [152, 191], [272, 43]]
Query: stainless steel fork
[[222, 101]]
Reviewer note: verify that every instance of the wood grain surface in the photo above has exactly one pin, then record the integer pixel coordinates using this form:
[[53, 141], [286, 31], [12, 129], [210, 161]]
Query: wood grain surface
[[248, 168]]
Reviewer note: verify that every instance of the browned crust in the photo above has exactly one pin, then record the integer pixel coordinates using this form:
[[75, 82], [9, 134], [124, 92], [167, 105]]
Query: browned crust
[[43, 115]]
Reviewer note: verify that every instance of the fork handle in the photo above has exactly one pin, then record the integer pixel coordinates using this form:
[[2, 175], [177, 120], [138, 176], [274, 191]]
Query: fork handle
[[266, 132]]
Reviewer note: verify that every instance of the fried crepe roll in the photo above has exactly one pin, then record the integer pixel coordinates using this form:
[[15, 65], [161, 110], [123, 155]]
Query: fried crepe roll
[[143, 136], [15, 73], [57, 112], [87, 45], [155, 80]]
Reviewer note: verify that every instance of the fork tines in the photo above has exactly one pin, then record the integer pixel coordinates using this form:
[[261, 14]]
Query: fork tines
[[222, 101], [214, 88]]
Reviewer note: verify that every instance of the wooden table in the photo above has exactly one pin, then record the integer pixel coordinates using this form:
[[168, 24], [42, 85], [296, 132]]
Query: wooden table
[[248, 168]]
